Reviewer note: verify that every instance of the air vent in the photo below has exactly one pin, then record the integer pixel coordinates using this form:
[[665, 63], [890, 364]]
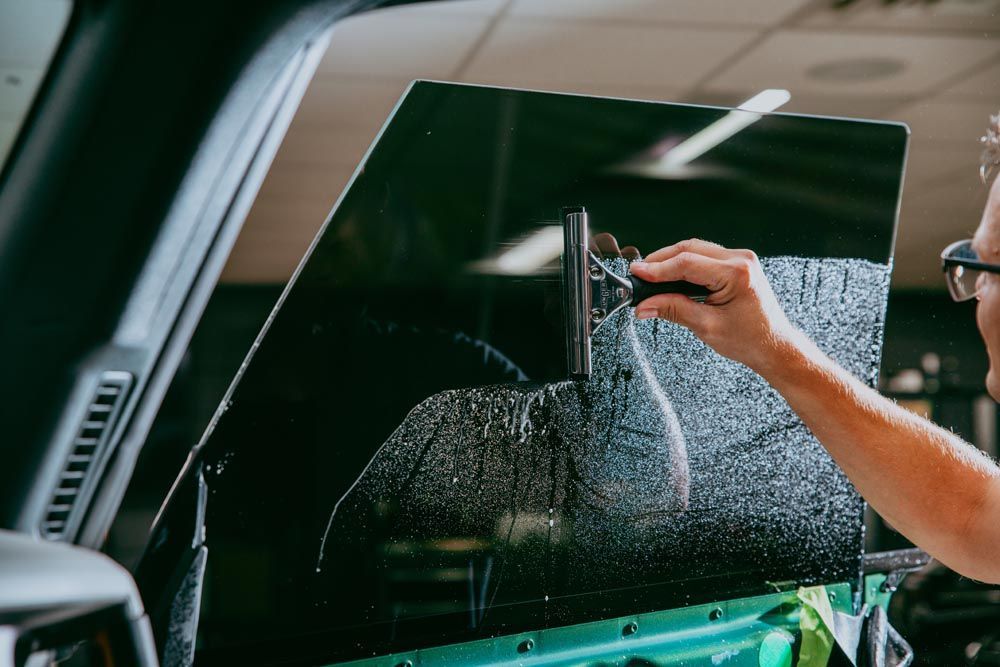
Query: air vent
[[90, 442]]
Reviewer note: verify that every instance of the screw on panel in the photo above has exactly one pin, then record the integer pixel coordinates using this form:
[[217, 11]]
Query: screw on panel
[[596, 272], [526, 646], [832, 595], [775, 651], [892, 581], [630, 628], [597, 314], [405, 663], [715, 614]]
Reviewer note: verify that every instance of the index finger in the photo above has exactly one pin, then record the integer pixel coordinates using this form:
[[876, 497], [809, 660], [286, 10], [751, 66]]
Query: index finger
[[706, 248], [687, 266]]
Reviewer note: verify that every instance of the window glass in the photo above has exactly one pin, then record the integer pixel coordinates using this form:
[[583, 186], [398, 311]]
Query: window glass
[[29, 35], [403, 463]]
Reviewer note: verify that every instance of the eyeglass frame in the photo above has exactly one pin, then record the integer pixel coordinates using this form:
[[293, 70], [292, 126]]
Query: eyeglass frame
[[974, 264], [990, 158]]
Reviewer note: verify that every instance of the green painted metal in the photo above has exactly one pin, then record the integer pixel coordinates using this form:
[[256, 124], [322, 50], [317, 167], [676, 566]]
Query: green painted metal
[[875, 592], [746, 632]]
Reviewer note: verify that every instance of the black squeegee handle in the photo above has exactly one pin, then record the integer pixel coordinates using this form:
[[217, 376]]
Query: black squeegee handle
[[643, 289]]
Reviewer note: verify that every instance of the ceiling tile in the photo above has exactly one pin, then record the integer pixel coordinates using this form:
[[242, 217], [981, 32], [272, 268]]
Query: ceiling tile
[[929, 164], [402, 44], [940, 120], [847, 106], [321, 184], [275, 216], [761, 12], [973, 16], [257, 262], [355, 103], [452, 8], [273, 240], [835, 63], [981, 84], [318, 145], [526, 53]]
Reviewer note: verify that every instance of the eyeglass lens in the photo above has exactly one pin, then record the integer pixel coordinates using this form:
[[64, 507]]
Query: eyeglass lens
[[962, 282]]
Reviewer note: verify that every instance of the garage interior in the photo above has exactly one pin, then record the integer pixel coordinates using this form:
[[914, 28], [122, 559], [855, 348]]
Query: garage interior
[[934, 66]]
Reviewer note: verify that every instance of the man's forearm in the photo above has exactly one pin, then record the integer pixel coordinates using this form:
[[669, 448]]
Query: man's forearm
[[929, 484], [934, 488]]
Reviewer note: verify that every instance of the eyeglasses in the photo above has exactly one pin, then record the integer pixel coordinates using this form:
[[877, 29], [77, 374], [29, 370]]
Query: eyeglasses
[[960, 263], [962, 268]]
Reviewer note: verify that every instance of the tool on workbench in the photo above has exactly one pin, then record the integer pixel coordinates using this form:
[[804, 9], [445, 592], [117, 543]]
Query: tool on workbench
[[592, 292]]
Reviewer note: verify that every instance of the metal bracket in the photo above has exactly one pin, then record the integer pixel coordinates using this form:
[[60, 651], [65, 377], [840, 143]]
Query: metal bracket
[[609, 292]]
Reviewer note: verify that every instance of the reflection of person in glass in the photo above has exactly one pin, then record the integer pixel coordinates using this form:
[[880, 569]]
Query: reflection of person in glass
[[935, 489]]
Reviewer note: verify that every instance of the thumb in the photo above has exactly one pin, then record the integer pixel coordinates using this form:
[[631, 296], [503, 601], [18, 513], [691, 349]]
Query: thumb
[[673, 308]]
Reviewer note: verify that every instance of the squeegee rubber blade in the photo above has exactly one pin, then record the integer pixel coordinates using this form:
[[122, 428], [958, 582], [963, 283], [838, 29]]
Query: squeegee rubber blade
[[576, 309]]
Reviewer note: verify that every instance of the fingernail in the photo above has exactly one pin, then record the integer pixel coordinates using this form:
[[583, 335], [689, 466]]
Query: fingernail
[[645, 314], [638, 264]]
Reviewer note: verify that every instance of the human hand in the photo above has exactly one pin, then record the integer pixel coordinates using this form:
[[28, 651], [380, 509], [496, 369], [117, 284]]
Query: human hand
[[741, 318]]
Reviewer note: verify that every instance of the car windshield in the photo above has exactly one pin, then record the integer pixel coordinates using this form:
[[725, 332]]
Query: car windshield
[[403, 462]]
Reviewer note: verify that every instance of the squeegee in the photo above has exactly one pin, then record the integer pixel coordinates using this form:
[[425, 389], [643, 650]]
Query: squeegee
[[592, 293]]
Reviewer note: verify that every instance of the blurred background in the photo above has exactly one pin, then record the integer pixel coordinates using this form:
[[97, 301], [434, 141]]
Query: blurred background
[[934, 65]]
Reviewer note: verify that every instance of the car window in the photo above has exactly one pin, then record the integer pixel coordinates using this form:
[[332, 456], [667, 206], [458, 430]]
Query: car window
[[403, 462], [29, 35]]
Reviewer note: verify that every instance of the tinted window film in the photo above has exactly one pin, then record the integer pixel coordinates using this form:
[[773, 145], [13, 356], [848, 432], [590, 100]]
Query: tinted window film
[[402, 463]]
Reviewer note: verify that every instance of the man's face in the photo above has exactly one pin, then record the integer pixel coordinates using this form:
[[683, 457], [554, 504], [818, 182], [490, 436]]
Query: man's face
[[986, 243]]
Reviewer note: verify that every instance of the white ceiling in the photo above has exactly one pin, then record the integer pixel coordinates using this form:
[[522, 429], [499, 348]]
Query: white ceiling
[[940, 64], [528, 52], [760, 13], [29, 33], [787, 57]]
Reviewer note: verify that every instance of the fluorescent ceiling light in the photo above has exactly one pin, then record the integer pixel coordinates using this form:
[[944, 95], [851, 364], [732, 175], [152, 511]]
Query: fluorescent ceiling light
[[525, 258], [766, 101], [670, 164]]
